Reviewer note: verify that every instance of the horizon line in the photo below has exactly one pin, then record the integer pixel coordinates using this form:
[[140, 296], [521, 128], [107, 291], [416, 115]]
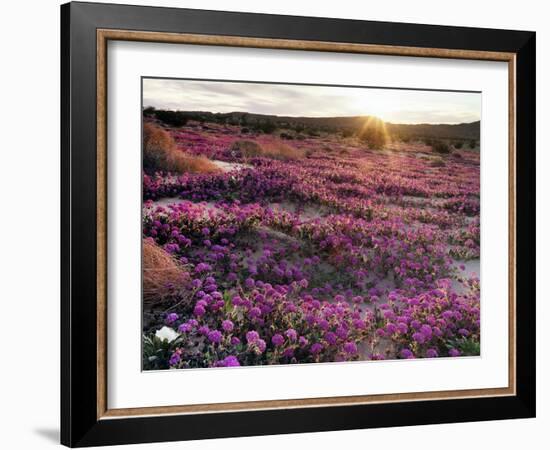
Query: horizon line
[[311, 117]]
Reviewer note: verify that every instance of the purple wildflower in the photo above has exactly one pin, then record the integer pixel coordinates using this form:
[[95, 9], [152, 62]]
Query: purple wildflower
[[316, 348], [227, 326], [230, 361], [331, 338], [252, 336], [175, 358], [215, 336], [185, 327], [254, 312], [419, 337], [291, 334], [260, 345], [431, 353], [350, 348], [277, 340], [171, 318], [199, 310]]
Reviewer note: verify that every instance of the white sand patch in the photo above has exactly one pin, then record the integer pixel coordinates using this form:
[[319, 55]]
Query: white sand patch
[[167, 202], [471, 269], [230, 166], [306, 213]]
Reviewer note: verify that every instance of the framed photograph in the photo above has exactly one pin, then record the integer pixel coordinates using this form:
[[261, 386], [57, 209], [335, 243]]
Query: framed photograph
[[277, 224]]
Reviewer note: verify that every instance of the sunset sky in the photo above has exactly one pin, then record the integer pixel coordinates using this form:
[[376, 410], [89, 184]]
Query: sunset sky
[[391, 105]]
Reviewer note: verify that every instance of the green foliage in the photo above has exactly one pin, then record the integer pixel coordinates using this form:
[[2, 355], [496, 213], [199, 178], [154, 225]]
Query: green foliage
[[458, 144], [347, 133], [156, 353], [246, 148], [467, 346], [265, 126], [441, 147], [312, 132], [149, 111], [286, 136], [437, 162], [375, 134], [172, 118]]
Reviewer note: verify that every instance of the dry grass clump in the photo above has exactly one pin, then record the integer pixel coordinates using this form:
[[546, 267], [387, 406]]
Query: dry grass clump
[[247, 148], [441, 147], [158, 146], [375, 134], [160, 152], [280, 150], [275, 150], [180, 162], [437, 162], [162, 275]]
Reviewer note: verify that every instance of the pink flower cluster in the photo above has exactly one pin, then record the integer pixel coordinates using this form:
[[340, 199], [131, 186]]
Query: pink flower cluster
[[322, 259]]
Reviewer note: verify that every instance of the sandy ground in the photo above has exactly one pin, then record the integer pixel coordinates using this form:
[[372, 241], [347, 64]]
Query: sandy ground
[[229, 166], [472, 267]]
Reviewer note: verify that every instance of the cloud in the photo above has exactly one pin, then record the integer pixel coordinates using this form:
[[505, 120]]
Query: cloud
[[393, 105]]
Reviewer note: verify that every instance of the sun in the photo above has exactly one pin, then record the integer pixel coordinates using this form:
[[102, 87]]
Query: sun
[[374, 105]]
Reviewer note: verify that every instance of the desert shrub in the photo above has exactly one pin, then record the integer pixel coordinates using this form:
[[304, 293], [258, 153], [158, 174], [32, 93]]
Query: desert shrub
[[245, 130], [312, 133], [276, 150], [437, 162], [458, 144], [473, 144], [149, 111], [172, 118], [280, 150], [347, 133], [468, 347], [160, 153], [158, 145], [265, 126], [286, 136], [246, 148], [374, 134], [181, 163], [162, 275], [441, 147]]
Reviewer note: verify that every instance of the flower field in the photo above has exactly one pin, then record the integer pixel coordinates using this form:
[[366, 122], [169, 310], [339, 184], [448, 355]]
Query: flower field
[[309, 250]]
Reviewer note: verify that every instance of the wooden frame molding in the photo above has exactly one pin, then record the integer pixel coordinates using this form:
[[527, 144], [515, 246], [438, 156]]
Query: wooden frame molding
[[103, 36]]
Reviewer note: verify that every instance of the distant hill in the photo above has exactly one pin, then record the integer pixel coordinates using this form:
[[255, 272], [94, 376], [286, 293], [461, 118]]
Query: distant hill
[[329, 124], [442, 131]]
